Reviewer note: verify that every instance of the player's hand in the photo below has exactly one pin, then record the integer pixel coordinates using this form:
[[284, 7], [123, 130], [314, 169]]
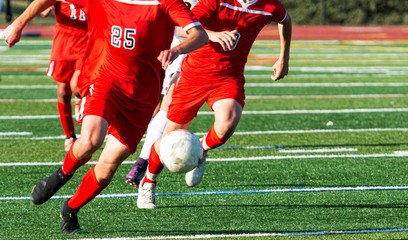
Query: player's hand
[[46, 12], [166, 57], [12, 34], [280, 69], [227, 39]]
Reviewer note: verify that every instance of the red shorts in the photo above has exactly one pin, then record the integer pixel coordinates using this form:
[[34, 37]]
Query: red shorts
[[128, 119], [62, 71], [189, 96]]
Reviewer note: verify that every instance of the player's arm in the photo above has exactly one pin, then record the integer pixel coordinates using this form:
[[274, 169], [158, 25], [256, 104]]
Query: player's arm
[[46, 12], [281, 67], [196, 38], [226, 39], [12, 33]]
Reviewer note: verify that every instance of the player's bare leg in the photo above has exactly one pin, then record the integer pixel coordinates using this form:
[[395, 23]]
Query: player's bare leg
[[227, 113], [92, 137], [94, 181]]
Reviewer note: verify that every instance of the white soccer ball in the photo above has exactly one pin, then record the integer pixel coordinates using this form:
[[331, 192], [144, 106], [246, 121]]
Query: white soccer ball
[[180, 151]]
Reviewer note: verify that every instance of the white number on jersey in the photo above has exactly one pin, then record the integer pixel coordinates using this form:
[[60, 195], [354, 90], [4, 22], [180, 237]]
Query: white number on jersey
[[74, 15]]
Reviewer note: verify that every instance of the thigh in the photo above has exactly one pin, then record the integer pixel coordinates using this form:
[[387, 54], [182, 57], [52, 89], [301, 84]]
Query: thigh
[[227, 111], [187, 99]]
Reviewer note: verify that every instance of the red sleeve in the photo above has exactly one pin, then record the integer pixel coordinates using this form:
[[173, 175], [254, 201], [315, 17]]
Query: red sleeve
[[204, 9], [279, 13], [180, 13]]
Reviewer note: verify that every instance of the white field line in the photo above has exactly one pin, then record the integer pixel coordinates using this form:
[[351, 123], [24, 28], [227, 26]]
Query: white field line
[[14, 57], [317, 111], [324, 75], [318, 131], [353, 84], [260, 235], [339, 55], [28, 100], [28, 86], [247, 75], [323, 150], [24, 77], [346, 69], [15, 133], [328, 96], [272, 84], [253, 133], [257, 158], [261, 97]]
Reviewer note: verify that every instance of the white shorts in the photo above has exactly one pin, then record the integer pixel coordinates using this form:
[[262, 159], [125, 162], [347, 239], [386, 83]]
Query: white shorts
[[174, 67]]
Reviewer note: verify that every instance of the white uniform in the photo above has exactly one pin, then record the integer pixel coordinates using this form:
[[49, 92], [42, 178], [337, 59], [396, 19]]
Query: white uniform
[[175, 66]]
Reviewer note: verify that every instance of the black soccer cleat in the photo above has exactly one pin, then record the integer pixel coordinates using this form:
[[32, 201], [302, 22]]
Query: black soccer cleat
[[47, 187], [69, 220]]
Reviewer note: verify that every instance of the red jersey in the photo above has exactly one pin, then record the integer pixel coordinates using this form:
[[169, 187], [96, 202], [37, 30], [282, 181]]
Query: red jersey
[[70, 34], [135, 32], [211, 62]]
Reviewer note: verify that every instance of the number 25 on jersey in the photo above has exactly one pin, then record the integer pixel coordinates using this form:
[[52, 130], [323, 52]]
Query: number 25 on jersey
[[123, 37]]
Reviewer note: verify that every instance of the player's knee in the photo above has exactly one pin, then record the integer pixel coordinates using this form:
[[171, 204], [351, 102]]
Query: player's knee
[[90, 145]]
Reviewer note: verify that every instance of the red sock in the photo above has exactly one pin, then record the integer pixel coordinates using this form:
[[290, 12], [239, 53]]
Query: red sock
[[154, 168], [71, 163], [155, 165], [212, 140], [88, 190], [65, 113]]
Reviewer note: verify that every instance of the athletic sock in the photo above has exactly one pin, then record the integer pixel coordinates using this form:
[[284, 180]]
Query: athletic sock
[[71, 163], [154, 132], [88, 190], [67, 123], [154, 168], [212, 140]]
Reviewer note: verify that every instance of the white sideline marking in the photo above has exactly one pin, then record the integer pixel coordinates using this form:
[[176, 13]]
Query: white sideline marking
[[28, 117], [259, 97], [316, 111], [319, 150], [284, 190], [328, 96], [316, 76], [15, 133], [274, 84], [266, 132], [400, 154], [347, 69], [28, 86], [353, 84], [28, 100], [257, 158], [256, 235]]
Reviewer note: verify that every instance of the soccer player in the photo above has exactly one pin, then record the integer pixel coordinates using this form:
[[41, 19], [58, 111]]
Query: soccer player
[[68, 48], [215, 74], [158, 123], [124, 90]]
